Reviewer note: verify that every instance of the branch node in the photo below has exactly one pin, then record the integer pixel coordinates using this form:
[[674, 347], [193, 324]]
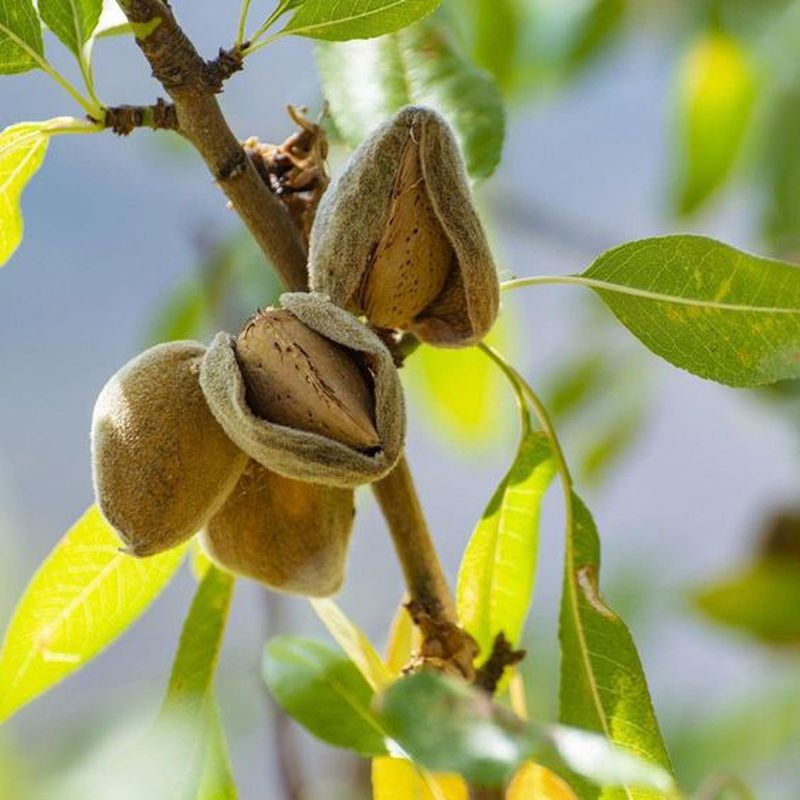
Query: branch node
[[219, 69], [503, 655], [124, 119]]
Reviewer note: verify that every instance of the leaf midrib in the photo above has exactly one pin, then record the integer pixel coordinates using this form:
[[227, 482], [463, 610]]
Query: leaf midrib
[[342, 20]]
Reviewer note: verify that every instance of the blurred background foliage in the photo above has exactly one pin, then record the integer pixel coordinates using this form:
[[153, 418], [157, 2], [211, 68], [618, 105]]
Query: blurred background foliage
[[734, 122]]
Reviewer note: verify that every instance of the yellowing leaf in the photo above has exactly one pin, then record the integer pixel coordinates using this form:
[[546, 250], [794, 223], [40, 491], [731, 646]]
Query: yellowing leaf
[[534, 782], [717, 90], [354, 642], [404, 639], [399, 779], [22, 150], [85, 594]]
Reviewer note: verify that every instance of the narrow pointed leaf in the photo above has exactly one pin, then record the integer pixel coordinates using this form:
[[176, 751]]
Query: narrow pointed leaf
[[217, 782], [22, 151], [338, 20], [21, 46], [324, 691], [404, 639], [717, 89], [84, 595], [400, 779], [365, 82], [73, 21], [190, 695], [602, 684], [706, 307], [495, 582], [354, 642]]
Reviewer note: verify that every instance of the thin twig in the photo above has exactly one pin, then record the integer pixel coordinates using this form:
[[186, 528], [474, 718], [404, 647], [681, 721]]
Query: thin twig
[[186, 77]]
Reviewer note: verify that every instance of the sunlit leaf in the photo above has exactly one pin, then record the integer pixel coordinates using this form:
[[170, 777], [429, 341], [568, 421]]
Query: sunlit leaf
[[717, 89], [190, 695], [705, 306], [365, 82], [21, 46], [399, 779], [324, 691], [762, 599], [534, 782], [459, 389], [404, 639], [84, 595], [602, 685], [353, 641], [71, 20], [338, 20], [466, 733], [22, 150], [217, 782], [495, 582]]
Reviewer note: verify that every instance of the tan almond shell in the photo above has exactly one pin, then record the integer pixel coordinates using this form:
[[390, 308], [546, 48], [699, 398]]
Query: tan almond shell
[[162, 464], [291, 535], [304, 455], [354, 212]]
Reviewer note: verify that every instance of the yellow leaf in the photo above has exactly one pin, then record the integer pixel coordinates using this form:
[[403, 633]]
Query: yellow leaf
[[399, 779], [404, 639], [534, 781], [354, 642]]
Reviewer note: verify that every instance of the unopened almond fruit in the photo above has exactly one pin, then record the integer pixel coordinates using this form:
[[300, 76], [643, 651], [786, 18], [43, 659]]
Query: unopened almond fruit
[[162, 463], [397, 238], [290, 535]]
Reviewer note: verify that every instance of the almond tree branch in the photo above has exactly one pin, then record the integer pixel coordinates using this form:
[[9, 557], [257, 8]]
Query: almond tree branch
[[193, 86]]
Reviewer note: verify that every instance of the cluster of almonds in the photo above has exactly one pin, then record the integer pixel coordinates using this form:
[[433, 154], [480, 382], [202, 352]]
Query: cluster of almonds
[[258, 441]]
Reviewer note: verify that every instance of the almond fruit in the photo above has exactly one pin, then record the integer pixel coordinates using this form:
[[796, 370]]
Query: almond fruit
[[290, 535], [162, 463]]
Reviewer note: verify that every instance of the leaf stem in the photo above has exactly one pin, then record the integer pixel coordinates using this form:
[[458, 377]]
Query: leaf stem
[[244, 11]]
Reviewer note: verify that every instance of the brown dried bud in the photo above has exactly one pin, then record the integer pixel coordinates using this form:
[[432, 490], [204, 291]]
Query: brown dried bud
[[290, 535], [162, 463], [309, 392], [397, 237], [297, 378]]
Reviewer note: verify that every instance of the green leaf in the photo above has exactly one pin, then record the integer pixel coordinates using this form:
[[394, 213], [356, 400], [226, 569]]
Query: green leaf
[[781, 222], [465, 732], [190, 695], [217, 782], [705, 307], [603, 687], [22, 151], [493, 30], [495, 582], [84, 595], [762, 599], [339, 20], [353, 641], [73, 21], [365, 82], [325, 692], [21, 46], [717, 90], [459, 389]]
